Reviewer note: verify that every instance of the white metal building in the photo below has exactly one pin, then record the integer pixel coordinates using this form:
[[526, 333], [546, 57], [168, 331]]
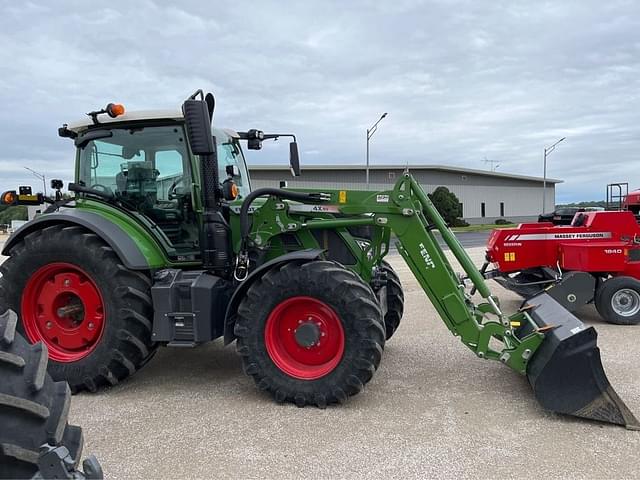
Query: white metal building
[[485, 195]]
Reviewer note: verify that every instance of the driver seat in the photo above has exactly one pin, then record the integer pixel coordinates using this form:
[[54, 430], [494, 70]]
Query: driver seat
[[137, 183]]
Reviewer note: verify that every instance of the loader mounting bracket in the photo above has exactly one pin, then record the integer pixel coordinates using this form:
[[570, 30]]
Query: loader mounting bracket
[[230, 317]]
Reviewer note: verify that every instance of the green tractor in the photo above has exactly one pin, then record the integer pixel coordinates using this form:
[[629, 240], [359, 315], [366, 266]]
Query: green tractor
[[165, 243]]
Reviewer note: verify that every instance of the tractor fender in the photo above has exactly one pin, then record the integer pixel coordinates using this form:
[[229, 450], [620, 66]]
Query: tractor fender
[[124, 246], [306, 255]]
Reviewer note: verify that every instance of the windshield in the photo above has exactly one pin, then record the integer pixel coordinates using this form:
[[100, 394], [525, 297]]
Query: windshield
[[145, 165], [138, 164]]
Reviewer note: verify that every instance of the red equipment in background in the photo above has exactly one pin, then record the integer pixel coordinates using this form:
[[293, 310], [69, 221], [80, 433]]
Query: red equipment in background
[[631, 202], [596, 258]]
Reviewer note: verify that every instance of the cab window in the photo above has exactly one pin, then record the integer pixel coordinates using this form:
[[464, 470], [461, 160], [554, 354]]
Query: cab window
[[147, 169]]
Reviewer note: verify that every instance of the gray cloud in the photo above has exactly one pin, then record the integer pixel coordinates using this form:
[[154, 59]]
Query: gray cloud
[[461, 80]]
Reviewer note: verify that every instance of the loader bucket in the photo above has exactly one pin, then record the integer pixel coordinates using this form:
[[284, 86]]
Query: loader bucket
[[566, 372]]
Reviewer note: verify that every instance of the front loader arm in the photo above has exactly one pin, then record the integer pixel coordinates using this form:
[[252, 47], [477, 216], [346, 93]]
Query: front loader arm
[[556, 351], [407, 212], [476, 325]]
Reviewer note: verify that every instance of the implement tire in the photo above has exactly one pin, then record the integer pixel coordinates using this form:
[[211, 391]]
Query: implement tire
[[310, 333], [395, 301], [33, 408], [618, 300], [75, 295]]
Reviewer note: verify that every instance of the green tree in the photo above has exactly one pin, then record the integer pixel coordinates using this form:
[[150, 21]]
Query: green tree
[[12, 213], [592, 203], [447, 203]]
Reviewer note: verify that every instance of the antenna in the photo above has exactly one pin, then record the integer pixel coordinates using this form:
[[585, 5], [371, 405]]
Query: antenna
[[493, 168]]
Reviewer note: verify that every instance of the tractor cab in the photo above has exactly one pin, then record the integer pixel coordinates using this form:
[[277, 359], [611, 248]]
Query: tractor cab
[[142, 161]]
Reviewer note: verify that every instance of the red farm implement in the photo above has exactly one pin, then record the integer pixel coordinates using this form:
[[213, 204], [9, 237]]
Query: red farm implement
[[595, 259]]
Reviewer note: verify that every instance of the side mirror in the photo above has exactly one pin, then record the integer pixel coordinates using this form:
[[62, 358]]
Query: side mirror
[[294, 159], [198, 120]]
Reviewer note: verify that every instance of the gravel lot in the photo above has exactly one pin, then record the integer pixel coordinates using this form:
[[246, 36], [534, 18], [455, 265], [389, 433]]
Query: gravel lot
[[433, 410]]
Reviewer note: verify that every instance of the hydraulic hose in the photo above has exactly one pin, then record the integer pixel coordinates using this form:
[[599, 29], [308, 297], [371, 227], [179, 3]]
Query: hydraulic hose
[[241, 270], [245, 224]]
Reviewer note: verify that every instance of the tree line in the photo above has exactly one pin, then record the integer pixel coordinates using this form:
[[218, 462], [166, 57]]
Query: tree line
[[8, 213]]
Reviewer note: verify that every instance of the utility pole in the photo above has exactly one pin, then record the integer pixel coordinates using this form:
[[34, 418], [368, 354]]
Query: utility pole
[[370, 132], [547, 151], [41, 177]]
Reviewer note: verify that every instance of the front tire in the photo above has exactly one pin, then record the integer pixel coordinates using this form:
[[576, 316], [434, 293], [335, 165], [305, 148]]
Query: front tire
[[618, 300], [310, 333], [74, 295], [395, 301]]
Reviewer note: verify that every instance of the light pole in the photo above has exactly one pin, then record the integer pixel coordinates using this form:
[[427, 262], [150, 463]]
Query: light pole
[[41, 177], [547, 151], [370, 132]]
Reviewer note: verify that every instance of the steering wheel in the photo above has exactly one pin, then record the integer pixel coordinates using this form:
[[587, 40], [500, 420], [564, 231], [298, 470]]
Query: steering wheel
[[102, 188]]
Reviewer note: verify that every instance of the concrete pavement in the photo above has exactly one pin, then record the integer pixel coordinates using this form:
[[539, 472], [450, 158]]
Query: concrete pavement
[[433, 410]]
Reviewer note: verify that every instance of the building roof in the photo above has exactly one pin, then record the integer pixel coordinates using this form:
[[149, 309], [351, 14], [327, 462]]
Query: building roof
[[443, 168]]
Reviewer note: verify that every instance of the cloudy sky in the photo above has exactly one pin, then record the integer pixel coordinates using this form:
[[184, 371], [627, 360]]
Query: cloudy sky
[[461, 80]]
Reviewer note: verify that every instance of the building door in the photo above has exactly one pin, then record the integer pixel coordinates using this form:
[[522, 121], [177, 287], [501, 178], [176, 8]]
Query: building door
[[502, 209], [482, 210]]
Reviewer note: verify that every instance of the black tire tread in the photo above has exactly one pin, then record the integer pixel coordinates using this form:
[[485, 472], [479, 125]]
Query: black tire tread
[[33, 408], [395, 301], [338, 284], [129, 345]]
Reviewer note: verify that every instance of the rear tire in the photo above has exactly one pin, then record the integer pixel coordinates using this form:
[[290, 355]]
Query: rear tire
[[338, 358], [395, 301], [76, 262], [33, 408], [618, 300]]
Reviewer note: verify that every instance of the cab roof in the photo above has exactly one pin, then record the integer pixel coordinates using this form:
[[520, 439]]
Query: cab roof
[[134, 116]]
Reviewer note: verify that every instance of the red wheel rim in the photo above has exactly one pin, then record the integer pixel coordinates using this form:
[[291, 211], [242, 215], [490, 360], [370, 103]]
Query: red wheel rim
[[304, 338], [63, 308]]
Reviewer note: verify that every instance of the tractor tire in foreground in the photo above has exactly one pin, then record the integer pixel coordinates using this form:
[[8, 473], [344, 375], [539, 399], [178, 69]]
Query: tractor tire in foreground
[[33, 408], [395, 301], [74, 295], [310, 333], [618, 300]]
